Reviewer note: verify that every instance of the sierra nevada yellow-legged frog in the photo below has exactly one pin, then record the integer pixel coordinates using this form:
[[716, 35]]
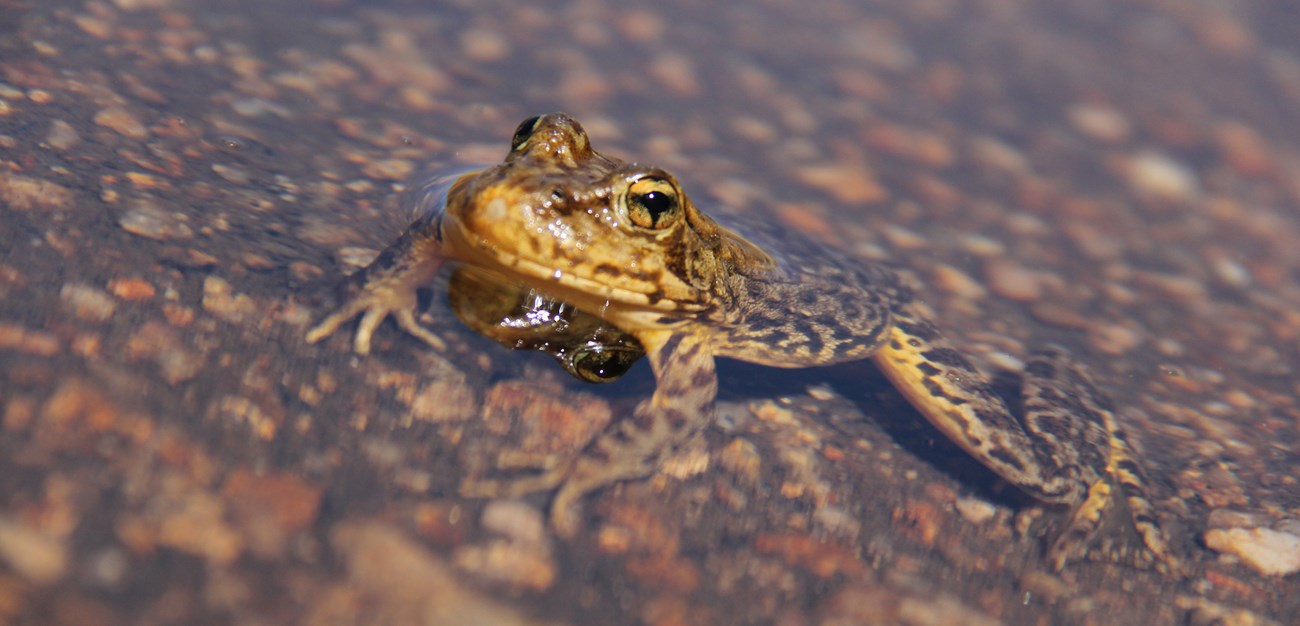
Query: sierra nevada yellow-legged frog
[[623, 245]]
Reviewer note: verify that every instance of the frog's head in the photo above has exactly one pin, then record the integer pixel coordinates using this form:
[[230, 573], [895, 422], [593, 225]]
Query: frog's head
[[602, 234]]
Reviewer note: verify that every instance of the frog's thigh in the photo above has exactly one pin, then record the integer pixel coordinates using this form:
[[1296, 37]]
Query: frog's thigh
[[950, 394], [682, 405], [1066, 411]]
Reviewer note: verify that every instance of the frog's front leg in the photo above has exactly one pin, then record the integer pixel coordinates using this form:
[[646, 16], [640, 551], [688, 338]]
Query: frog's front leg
[[681, 406], [388, 287]]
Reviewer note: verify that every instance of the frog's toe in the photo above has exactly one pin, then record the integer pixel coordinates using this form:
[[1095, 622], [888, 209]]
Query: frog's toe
[[373, 309], [513, 487], [566, 512], [1116, 526], [331, 323], [406, 321]]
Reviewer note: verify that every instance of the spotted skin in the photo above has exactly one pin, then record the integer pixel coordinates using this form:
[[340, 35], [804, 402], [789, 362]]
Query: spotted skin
[[622, 245], [1063, 405]]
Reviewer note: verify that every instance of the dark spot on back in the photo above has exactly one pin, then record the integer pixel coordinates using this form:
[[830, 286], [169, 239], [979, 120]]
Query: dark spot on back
[[946, 356], [927, 369]]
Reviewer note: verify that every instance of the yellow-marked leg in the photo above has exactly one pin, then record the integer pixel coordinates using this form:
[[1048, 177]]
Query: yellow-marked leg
[[938, 381], [1067, 450], [1116, 521]]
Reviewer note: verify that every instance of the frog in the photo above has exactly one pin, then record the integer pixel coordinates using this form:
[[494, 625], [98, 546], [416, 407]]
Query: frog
[[624, 247]]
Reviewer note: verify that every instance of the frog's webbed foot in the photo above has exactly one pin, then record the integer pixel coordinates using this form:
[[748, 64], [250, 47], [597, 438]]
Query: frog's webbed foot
[[387, 287], [1114, 520], [681, 406]]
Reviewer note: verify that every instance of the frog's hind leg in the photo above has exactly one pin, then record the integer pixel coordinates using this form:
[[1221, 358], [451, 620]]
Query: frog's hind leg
[[953, 396], [1116, 520], [681, 406], [1067, 450]]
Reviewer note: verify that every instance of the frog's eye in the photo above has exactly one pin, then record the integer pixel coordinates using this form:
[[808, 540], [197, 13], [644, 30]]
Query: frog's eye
[[597, 363], [653, 203], [523, 132]]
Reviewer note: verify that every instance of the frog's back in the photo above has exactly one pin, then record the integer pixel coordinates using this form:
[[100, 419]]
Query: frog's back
[[808, 306]]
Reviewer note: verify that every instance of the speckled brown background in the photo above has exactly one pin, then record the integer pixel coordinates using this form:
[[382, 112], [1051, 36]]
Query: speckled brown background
[[182, 183]]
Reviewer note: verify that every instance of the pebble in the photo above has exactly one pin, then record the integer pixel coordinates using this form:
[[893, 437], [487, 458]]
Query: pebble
[[160, 343], [141, 180], [231, 174], [1115, 339], [847, 183], [1004, 361], [805, 218], [547, 422], [1230, 272], [1061, 315], [483, 45], [742, 458], [641, 25], [446, 399], [998, 155], [676, 73], [270, 507], [521, 557], [1157, 175], [1269, 552], [122, 122], [1244, 149], [1100, 122], [147, 218], [25, 193], [192, 523], [974, 510], [957, 282], [1228, 518], [32, 554], [859, 604], [820, 558], [517, 521], [88, 303], [981, 245], [903, 238], [35, 342], [62, 135], [1013, 281], [220, 299], [394, 579], [389, 169], [769, 411]]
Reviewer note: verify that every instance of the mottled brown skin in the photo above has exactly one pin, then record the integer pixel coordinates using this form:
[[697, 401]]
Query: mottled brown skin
[[623, 245]]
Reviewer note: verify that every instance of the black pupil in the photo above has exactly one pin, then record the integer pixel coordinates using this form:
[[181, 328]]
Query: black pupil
[[599, 365], [656, 203]]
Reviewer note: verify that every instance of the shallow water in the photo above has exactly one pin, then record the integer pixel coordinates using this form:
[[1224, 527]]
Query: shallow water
[[183, 184]]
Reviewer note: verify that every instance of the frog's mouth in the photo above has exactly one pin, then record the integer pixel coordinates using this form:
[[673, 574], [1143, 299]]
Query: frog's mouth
[[618, 305]]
